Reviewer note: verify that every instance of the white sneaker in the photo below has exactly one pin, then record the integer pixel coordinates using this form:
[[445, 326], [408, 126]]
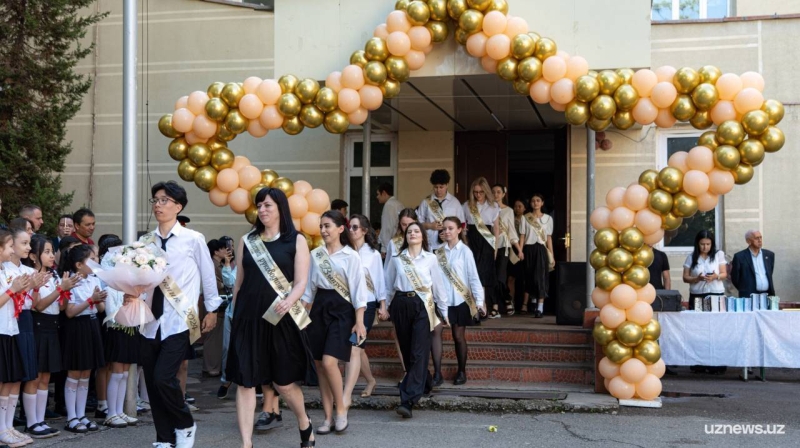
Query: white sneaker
[[129, 420], [184, 438], [9, 438], [115, 421], [162, 445], [192, 407], [24, 438]]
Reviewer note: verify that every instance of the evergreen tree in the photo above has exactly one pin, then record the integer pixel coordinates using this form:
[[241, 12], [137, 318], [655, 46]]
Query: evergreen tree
[[40, 45]]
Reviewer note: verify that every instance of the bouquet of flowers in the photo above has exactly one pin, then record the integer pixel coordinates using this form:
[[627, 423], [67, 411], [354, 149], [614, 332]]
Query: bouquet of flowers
[[133, 270]]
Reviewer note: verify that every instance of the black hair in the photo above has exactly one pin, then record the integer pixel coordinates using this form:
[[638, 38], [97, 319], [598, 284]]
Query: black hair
[[703, 234], [213, 246], [440, 177], [5, 235], [71, 258], [540, 196], [387, 188], [369, 236], [288, 232], [77, 217], [338, 204], [339, 220], [106, 242], [66, 242], [19, 224], [405, 213], [425, 245], [66, 216], [172, 190], [505, 191], [38, 245], [525, 204]]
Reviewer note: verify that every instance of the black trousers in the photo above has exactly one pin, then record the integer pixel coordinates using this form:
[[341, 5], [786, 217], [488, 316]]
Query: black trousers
[[414, 337], [160, 363]]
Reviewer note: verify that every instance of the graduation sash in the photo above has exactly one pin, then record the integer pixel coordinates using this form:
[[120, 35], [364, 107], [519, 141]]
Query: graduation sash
[[436, 209], [325, 265], [458, 285], [479, 224], [540, 232], [398, 243], [422, 291], [368, 279]]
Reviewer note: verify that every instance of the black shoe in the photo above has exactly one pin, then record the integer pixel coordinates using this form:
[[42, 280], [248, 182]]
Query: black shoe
[[538, 314], [101, 413], [461, 378], [189, 399], [222, 392], [38, 431], [20, 422], [437, 380], [91, 404], [267, 421], [50, 415], [404, 410], [259, 392]]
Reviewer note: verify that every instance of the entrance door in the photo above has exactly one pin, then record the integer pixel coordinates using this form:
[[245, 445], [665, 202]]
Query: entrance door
[[480, 154]]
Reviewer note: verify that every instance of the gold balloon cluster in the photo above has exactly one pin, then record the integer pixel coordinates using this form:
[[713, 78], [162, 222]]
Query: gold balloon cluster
[[620, 257]]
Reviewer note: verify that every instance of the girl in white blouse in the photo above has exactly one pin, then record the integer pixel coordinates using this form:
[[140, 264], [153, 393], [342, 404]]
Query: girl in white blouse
[[483, 236], [411, 311], [509, 240], [538, 230], [406, 217]]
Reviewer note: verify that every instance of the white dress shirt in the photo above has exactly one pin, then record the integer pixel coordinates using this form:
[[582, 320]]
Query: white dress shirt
[[347, 264], [8, 323], [15, 271], [510, 236], [83, 291], [531, 235], [450, 207], [389, 218], [190, 265], [708, 265], [114, 302], [51, 286], [372, 263], [489, 212], [429, 273], [462, 263], [762, 282]]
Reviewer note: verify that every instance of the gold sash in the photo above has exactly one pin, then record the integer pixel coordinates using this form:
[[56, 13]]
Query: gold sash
[[456, 281], [436, 209], [422, 291], [479, 224], [277, 280], [398, 243], [325, 265], [368, 279], [540, 232]]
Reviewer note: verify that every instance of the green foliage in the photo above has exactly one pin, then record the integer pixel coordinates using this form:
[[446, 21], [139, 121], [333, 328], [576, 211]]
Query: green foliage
[[40, 45]]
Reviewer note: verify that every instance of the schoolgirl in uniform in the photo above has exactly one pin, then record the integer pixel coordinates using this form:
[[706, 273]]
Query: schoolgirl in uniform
[[538, 249], [483, 232], [509, 241], [406, 217], [516, 271]]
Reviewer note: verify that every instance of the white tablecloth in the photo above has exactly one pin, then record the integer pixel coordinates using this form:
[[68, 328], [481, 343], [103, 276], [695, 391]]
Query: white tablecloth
[[751, 339]]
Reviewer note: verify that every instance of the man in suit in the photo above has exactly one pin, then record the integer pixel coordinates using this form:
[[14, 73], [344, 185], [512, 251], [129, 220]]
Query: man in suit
[[753, 267]]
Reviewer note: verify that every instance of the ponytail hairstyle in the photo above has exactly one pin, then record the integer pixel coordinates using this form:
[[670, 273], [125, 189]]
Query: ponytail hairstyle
[[339, 221], [38, 245], [404, 213], [369, 233], [505, 193], [73, 256], [425, 245], [460, 225], [106, 242]]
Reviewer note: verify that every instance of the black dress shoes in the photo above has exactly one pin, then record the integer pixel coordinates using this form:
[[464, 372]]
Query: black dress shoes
[[437, 380], [404, 410], [461, 378]]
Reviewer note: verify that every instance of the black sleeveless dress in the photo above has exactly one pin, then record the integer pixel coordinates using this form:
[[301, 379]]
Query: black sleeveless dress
[[259, 352]]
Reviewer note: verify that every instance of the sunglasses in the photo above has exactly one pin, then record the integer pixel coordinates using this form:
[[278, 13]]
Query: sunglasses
[[354, 228]]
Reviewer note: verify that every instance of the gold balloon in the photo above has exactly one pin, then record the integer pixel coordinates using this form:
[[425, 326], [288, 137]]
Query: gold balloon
[[461, 36], [521, 86], [774, 109], [606, 239], [327, 99], [289, 105], [375, 73], [397, 68], [390, 89], [165, 126], [376, 49], [671, 222], [623, 119], [283, 184], [186, 170], [317, 241], [254, 191], [603, 107], [336, 122], [307, 90], [205, 178], [236, 122], [644, 256], [609, 81], [602, 334], [705, 96], [649, 179], [617, 352], [709, 74], [178, 149], [456, 7], [577, 113], [522, 46], [597, 124], [620, 260], [535, 36], [730, 133], [630, 333], [267, 176], [215, 144], [439, 31], [471, 21], [755, 122], [607, 279], [726, 157], [648, 352], [288, 83], [507, 68], [660, 202], [199, 154], [401, 5], [685, 80], [592, 73], [215, 89], [684, 205], [670, 179], [222, 158], [418, 13], [496, 5], [217, 109], [530, 69], [225, 135], [598, 259], [310, 116], [708, 139], [292, 125], [683, 108], [545, 47], [637, 277], [480, 5], [631, 239], [251, 214], [626, 97], [587, 88], [772, 139], [438, 9], [626, 74], [701, 120], [232, 93], [359, 58], [743, 174], [651, 331], [752, 152]]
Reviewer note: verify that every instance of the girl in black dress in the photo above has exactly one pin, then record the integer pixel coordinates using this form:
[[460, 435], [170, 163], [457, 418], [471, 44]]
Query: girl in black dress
[[538, 242], [261, 353], [482, 206]]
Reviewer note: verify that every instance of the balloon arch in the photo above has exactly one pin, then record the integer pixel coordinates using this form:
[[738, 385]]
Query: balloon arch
[[205, 121]]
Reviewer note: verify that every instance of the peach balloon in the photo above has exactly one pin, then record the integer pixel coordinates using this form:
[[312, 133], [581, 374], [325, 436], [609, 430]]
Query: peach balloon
[[334, 81], [664, 119], [633, 371], [647, 221], [192, 138], [415, 59], [608, 369], [606, 382], [600, 297], [297, 224], [700, 158], [251, 106], [615, 197], [611, 316], [728, 85], [358, 117], [397, 21], [640, 313], [646, 294], [665, 73], [271, 118], [657, 369], [563, 91], [269, 91], [621, 218], [240, 162], [577, 66], [515, 26], [197, 102], [399, 43], [645, 112], [218, 197], [309, 223], [720, 181], [352, 77], [498, 46], [678, 160], [250, 85], [623, 296], [255, 129], [249, 177], [636, 197], [722, 112], [494, 23], [298, 206], [420, 38], [558, 106], [643, 81], [707, 201], [748, 99], [599, 217], [621, 389], [563, 55], [239, 200], [381, 31], [649, 388], [182, 120], [349, 100], [489, 64], [540, 91], [204, 127], [653, 238], [664, 94], [302, 187], [695, 182], [428, 49], [371, 97], [554, 68], [182, 103], [752, 79], [318, 201], [476, 44]]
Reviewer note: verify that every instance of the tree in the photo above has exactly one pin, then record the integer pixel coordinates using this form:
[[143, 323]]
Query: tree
[[39, 93]]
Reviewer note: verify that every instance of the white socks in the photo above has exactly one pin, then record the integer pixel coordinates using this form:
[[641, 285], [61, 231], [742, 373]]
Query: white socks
[[121, 391], [29, 403], [102, 405], [71, 397], [82, 395], [540, 307], [3, 411], [112, 392], [12, 407], [142, 387], [41, 405]]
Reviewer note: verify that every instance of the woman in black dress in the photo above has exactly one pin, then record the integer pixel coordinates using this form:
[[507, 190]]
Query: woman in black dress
[[261, 353]]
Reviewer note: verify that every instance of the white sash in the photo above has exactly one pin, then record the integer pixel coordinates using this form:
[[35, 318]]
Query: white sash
[[325, 265], [422, 291], [481, 226]]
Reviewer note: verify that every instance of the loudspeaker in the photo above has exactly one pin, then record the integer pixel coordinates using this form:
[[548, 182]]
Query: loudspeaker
[[570, 292], [667, 300]]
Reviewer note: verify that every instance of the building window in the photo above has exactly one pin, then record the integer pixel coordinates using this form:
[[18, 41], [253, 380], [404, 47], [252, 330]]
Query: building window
[[682, 239], [689, 9], [383, 168]]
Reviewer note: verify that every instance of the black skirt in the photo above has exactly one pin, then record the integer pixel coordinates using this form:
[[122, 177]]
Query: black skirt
[[537, 275], [120, 346], [332, 321], [484, 256], [26, 341], [501, 266], [369, 316], [460, 315], [11, 364], [83, 344], [48, 345]]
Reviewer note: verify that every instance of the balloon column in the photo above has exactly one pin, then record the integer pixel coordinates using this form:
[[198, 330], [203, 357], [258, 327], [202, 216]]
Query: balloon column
[[634, 217]]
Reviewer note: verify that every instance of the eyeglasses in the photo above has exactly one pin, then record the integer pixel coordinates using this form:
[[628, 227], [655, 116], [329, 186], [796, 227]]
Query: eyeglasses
[[477, 191], [161, 201], [354, 228]]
